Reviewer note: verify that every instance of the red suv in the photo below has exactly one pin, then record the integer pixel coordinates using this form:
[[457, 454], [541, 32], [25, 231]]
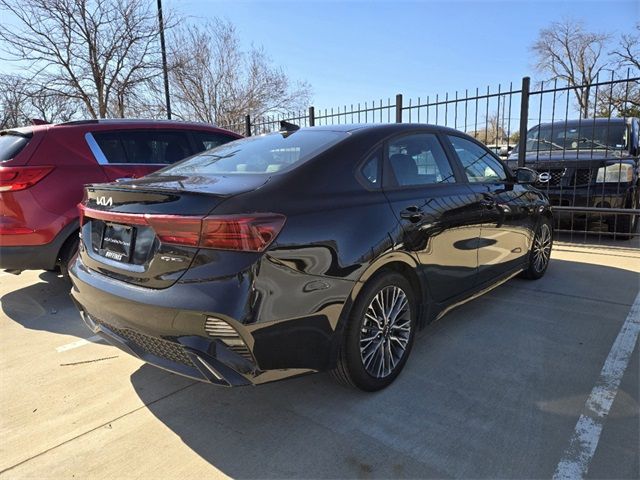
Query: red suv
[[43, 170]]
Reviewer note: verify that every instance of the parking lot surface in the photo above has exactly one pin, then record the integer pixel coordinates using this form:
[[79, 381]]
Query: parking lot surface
[[494, 389]]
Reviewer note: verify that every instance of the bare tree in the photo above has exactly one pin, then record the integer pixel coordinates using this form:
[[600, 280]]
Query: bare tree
[[494, 132], [623, 98], [99, 53], [13, 99], [566, 51], [20, 102], [213, 80], [627, 52]]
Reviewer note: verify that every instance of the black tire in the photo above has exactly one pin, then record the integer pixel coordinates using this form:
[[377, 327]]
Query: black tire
[[67, 252], [540, 253], [372, 368]]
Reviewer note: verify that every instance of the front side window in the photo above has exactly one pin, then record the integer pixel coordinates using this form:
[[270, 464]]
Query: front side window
[[143, 147], [478, 163], [419, 160], [264, 154]]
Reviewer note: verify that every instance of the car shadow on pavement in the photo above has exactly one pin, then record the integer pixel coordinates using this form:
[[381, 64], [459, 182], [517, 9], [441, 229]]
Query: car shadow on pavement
[[45, 305], [492, 389]]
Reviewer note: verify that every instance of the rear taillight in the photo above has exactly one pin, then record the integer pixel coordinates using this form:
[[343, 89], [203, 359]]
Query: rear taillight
[[176, 230], [19, 178], [251, 232]]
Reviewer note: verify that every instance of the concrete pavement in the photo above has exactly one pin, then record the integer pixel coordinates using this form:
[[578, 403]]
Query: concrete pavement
[[494, 389]]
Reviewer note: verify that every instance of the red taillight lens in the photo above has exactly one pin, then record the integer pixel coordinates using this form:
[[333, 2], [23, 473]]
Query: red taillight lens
[[176, 230], [252, 233], [19, 178]]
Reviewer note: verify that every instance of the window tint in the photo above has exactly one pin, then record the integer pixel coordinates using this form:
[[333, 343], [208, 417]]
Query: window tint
[[11, 145], [208, 140], [371, 168], [478, 164], [419, 160], [143, 147], [263, 154]]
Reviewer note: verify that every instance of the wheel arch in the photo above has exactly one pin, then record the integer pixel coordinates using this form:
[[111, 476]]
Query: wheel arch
[[70, 236], [399, 262]]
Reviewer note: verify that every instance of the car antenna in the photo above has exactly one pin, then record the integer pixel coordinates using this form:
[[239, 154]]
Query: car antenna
[[288, 127]]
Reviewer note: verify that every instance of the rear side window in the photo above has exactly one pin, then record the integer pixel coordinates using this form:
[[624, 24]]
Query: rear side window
[[11, 145], [419, 160], [370, 170], [264, 154], [142, 147], [209, 140]]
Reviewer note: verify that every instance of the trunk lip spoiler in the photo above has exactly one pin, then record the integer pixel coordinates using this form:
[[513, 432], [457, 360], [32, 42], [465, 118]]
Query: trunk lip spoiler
[[128, 218]]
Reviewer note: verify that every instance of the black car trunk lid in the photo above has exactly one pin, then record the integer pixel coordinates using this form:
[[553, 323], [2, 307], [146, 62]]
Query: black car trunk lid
[[129, 230]]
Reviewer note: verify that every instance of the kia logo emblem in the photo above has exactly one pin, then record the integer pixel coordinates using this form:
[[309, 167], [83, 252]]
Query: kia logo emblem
[[544, 177], [104, 201]]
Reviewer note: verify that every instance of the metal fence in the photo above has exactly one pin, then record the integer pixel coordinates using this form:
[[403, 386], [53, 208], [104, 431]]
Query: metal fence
[[588, 164]]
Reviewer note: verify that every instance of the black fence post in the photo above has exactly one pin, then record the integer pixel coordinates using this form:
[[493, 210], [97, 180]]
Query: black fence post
[[399, 108], [524, 117], [312, 117], [247, 125]]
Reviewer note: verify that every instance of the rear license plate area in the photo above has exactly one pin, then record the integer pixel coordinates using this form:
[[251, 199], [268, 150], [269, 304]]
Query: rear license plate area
[[117, 242]]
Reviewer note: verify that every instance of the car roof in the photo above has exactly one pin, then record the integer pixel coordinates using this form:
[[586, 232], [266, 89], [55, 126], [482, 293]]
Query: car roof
[[134, 121], [121, 123], [389, 128]]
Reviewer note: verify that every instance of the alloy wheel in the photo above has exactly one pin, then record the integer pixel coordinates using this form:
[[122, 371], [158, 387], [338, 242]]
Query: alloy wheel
[[385, 332], [542, 248]]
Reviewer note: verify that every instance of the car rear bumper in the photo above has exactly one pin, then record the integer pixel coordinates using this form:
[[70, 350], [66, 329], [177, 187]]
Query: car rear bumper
[[170, 328], [177, 356], [35, 257]]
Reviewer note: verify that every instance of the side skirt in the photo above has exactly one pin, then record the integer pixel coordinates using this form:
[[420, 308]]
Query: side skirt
[[477, 294]]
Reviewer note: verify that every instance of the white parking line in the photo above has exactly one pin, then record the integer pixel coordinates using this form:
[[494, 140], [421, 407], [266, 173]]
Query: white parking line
[[577, 457], [79, 343]]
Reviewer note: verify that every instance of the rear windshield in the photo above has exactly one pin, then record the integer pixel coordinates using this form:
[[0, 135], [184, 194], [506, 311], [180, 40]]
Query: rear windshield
[[11, 145], [264, 154]]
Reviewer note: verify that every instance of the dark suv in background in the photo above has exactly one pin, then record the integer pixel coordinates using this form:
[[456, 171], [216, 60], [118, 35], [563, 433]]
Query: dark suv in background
[[43, 169], [587, 163]]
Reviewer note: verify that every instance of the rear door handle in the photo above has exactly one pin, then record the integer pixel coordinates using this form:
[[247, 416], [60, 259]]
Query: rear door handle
[[123, 179], [412, 213]]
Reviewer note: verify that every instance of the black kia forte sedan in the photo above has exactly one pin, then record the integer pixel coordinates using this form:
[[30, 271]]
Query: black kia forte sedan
[[323, 248]]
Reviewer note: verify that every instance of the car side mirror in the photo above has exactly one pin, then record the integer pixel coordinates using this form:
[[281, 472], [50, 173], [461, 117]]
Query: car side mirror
[[526, 176]]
